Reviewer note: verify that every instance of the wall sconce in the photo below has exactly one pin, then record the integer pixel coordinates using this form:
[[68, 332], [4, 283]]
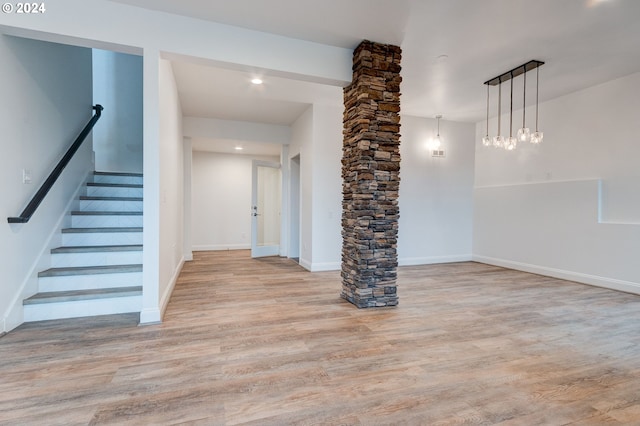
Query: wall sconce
[[524, 134]]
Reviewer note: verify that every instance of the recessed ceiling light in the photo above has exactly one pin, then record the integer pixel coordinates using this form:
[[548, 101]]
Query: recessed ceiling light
[[256, 81], [239, 148]]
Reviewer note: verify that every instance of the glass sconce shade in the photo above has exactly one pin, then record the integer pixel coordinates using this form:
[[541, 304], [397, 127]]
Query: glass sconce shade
[[510, 143], [486, 141], [434, 143], [524, 134], [536, 137]]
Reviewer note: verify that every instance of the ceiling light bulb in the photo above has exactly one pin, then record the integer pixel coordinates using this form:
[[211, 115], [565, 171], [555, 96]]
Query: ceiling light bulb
[[239, 148], [256, 81]]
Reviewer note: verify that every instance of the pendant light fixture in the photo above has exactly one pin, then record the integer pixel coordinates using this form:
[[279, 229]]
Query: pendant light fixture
[[498, 141], [524, 134], [486, 140], [437, 142], [511, 142], [537, 136]]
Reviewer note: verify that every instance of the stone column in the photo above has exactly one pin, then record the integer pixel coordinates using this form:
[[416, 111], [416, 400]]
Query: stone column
[[371, 177]]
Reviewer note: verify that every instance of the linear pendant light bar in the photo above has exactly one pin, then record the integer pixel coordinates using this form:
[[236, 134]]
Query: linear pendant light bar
[[531, 65], [524, 133]]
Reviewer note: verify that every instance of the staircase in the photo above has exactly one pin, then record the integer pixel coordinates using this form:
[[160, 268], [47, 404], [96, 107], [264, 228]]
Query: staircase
[[98, 268]]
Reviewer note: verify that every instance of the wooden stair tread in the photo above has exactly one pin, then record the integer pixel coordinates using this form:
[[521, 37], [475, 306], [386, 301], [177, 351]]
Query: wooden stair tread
[[97, 230], [115, 185], [98, 198], [117, 174], [77, 295], [97, 249], [105, 213], [89, 270]]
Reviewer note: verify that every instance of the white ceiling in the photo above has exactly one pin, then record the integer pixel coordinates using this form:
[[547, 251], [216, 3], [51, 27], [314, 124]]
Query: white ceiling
[[583, 42]]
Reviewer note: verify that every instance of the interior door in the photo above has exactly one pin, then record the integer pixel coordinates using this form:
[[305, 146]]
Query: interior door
[[265, 209]]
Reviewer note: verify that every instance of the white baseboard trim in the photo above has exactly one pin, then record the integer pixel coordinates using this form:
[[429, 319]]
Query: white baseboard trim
[[430, 260], [218, 247], [154, 315], [169, 290], [325, 266], [305, 264], [594, 280], [150, 316]]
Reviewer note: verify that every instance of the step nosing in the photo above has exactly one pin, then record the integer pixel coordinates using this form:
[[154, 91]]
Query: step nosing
[[90, 270]]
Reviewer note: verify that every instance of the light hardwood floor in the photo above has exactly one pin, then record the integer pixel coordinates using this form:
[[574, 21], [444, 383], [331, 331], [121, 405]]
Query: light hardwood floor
[[264, 342]]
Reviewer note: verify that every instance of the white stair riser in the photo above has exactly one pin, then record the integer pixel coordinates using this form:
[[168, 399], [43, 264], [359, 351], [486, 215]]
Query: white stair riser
[[84, 308], [101, 221], [101, 239], [67, 260], [89, 282], [110, 206], [136, 180], [109, 191]]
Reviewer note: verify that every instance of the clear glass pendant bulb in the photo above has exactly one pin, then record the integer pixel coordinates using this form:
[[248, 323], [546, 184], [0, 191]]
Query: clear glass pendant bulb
[[536, 137], [524, 134], [486, 141], [510, 143], [498, 141]]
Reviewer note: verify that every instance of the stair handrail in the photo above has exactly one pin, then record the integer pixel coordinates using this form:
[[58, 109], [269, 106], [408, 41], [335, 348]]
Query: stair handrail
[[57, 171]]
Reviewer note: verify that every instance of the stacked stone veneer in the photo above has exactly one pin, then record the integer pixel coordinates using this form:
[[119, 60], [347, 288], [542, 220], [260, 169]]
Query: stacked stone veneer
[[371, 177]]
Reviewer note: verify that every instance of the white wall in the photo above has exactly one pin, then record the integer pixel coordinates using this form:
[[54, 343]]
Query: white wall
[[45, 103], [302, 145], [436, 193], [117, 86], [221, 200], [171, 184], [571, 206], [241, 131], [327, 187]]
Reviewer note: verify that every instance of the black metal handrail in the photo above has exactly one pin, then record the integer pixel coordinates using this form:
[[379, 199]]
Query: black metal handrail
[[57, 171]]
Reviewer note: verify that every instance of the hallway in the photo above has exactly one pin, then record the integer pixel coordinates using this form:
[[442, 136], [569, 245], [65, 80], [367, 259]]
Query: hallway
[[265, 342]]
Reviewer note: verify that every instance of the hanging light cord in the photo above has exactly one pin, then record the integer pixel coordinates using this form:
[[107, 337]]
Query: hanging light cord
[[537, 81], [524, 99], [438, 126], [487, 110], [511, 110], [499, 104]]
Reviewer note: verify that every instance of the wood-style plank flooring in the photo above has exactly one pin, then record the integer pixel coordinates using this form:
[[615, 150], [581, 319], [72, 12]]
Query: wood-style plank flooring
[[263, 342]]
